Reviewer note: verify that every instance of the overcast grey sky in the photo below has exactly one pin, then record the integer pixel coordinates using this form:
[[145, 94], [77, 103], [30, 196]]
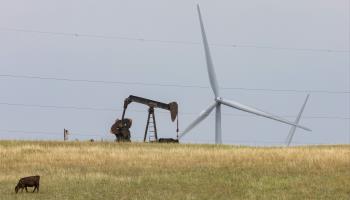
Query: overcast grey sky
[[296, 25]]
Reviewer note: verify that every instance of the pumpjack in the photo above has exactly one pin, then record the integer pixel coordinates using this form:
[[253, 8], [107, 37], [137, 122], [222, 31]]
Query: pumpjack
[[121, 127]]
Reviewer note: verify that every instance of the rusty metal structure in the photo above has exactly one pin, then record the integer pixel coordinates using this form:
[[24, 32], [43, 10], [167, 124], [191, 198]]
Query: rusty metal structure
[[121, 127]]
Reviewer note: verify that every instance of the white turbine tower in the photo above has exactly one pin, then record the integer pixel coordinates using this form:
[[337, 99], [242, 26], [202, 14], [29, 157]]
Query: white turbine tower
[[219, 100], [292, 130]]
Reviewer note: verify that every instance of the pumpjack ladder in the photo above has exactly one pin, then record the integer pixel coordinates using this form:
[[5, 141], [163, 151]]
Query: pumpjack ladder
[[151, 124]]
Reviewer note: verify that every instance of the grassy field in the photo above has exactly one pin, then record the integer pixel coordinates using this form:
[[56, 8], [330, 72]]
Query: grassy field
[[82, 170]]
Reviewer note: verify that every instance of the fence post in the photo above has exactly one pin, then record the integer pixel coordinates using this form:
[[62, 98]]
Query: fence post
[[65, 134]]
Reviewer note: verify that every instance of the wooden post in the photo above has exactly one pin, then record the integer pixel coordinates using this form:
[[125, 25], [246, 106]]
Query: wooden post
[[65, 134]]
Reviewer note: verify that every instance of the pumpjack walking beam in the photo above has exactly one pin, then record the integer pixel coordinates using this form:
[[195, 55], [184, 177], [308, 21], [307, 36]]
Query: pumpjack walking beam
[[172, 107]]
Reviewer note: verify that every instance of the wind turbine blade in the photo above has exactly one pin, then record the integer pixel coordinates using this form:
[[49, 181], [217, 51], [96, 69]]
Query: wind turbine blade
[[292, 130], [210, 67], [200, 118], [255, 111]]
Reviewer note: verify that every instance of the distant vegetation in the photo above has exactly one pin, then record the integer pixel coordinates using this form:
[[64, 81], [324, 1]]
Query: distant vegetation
[[85, 170]]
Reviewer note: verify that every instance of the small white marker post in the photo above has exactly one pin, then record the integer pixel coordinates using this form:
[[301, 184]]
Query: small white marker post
[[65, 134]]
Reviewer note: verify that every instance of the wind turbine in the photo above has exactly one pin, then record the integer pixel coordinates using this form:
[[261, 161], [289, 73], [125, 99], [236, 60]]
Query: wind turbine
[[292, 130], [218, 100]]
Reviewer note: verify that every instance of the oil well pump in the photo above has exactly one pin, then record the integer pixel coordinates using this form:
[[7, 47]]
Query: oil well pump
[[121, 127]]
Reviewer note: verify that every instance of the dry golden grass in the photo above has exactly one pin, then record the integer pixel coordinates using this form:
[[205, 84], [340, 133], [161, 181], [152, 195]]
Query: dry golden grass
[[78, 170]]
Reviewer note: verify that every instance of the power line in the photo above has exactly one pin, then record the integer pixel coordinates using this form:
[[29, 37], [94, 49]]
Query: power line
[[143, 111], [110, 37], [171, 85], [45, 132], [59, 107]]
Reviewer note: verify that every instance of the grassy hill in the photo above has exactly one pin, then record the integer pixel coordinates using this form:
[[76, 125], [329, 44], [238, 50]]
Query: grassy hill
[[82, 170]]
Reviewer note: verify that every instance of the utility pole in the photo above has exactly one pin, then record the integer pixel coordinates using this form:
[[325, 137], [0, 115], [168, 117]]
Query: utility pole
[[65, 134]]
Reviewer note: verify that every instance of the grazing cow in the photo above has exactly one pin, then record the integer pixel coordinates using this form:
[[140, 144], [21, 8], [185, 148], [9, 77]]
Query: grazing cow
[[31, 181]]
